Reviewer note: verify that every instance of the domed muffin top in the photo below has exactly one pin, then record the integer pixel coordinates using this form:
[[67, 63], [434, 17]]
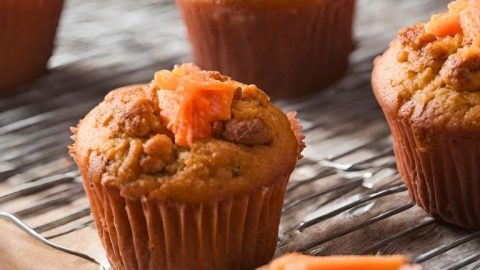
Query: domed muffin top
[[190, 135], [430, 75]]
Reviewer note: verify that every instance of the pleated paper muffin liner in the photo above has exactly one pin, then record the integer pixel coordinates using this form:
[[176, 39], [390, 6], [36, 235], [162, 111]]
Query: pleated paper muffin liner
[[443, 177], [286, 51], [236, 233], [27, 34]]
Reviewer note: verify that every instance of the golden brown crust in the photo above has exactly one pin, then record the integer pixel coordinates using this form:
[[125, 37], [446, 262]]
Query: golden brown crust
[[462, 70], [123, 143], [433, 83], [249, 131]]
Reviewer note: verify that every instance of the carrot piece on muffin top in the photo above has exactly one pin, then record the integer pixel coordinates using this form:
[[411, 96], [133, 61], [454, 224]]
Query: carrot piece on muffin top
[[164, 159], [434, 69], [447, 23], [462, 17], [185, 135], [191, 100]]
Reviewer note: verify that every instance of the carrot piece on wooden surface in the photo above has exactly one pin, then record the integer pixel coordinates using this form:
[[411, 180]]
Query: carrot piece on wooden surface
[[302, 262], [190, 100]]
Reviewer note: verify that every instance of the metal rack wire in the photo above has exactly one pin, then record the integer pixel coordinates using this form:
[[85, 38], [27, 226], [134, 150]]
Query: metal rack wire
[[346, 196]]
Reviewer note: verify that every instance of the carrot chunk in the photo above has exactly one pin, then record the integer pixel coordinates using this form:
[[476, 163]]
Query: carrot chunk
[[448, 23], [190, 100], [443, 25], [302, 262]]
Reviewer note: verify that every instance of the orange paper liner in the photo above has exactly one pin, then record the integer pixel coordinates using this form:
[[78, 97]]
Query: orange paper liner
[[297, 130], [237, 233], [288, 52], [443, 179], [27, 33]]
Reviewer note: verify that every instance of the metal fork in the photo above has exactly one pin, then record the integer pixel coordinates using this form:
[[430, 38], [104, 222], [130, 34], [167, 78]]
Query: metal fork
[[13, 219]]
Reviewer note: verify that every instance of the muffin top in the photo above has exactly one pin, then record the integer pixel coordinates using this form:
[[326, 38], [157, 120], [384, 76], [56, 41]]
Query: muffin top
[[430, 75], [189, 136]]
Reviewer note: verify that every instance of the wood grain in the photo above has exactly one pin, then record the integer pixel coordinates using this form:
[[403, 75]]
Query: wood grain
[[102, 45]]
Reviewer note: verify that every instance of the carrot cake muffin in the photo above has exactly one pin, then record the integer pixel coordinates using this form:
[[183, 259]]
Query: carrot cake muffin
[[27, 33], [289, 48], [188, 172], [428, 85]]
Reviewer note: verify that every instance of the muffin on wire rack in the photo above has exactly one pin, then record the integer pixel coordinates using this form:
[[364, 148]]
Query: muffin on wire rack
[[188, 172], [428, 85]]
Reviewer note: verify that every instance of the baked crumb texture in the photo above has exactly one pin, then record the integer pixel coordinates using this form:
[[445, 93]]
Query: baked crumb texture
[[433, 70], [233, 141]]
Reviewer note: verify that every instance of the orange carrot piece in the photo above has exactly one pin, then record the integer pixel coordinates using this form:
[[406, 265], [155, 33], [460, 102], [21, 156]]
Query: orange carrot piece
[[448, 23], [190, 100], [302, 262], [443, 25]]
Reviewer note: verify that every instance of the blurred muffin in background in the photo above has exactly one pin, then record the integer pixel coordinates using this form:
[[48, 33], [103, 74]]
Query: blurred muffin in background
[[27, 34], [428, 85], [289, 48], [188, 172]]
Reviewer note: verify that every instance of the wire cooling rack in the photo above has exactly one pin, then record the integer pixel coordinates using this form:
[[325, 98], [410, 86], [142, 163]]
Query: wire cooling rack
[[345, 197]]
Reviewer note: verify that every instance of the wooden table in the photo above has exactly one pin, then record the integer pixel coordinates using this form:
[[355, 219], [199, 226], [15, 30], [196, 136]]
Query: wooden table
[[346, 197]]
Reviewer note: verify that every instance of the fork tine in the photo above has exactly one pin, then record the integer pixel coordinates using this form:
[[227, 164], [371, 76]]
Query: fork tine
[[33, 233]]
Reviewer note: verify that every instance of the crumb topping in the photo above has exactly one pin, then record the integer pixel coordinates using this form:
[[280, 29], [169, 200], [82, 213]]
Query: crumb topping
[[446, 46], [434, 69]]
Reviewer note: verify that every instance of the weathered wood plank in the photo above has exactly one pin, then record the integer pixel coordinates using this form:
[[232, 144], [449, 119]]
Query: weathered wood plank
[[106, 44]]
